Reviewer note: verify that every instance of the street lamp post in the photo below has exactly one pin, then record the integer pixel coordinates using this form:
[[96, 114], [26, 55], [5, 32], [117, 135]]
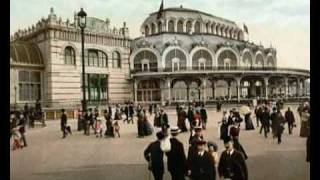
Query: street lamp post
[[82, 21], [15, 98]]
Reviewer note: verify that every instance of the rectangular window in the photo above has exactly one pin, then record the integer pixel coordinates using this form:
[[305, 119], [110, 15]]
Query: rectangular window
[[96, 87], [29, 85]]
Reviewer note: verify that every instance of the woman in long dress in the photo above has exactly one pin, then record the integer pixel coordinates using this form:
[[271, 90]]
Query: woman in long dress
[[109, 125], [224, 126], [248, 122], [147, 127], [234, 133]]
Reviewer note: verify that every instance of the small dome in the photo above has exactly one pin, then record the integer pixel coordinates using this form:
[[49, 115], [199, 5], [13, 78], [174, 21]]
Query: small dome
[[25, 52]]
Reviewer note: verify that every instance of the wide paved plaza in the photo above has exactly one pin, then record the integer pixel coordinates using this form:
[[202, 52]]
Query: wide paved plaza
[[79, 157]]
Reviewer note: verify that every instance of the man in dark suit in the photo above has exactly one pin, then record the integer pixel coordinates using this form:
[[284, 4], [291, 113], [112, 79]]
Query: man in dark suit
[[131, 113], [202, 164], [232, 164], [265, 121], [290, 119], [63, 123], [154, 155], [197, 136], [177, 161]]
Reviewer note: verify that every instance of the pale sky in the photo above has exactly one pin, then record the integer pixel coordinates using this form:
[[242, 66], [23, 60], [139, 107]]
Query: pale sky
[[282, 23]]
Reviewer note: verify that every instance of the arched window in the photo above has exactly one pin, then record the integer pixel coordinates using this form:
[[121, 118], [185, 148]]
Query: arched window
[[176, 60], [270, 61], [171, 26], [218, 30], [146, 30], [188, 26], [96, 58], [180, 26], [208, 28], [201, 60], [247, 59], [159, 27], [259, 60], [69, 56], [116, 59], [151, 64], [153, 28], [197, 27], [227, 59]]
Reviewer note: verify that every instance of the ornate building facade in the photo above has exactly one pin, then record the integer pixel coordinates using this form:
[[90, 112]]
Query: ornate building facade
[[185, 55], [46, 63]]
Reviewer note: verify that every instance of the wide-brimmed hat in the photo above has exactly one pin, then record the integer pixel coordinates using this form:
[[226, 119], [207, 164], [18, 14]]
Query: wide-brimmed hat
[[175, 130], [201, 142], [197, 128]]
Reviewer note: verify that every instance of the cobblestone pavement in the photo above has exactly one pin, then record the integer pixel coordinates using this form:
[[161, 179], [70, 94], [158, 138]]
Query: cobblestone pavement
[[79, 157]]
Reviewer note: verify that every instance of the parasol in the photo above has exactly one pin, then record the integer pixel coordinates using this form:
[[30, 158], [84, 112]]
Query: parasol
[[244, 110]]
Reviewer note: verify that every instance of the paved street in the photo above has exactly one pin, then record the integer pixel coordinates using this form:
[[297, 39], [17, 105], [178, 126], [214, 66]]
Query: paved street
[[79, 157]]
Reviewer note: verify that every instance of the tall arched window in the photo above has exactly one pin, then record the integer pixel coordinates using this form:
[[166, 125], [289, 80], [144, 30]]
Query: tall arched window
[[247, 59], [259, 60], [197, 27], [151, 64], [153, 28], [201, 59], [116, 60], [188, 26], [270, 61], [208, 28], [176, 60], [171, 26], [69, 56], [159, 27], [227, 59], [96, 58], [180, 26], [146, 30]]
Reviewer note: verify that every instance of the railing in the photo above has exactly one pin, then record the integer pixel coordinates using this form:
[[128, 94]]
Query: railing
[[219, 68]]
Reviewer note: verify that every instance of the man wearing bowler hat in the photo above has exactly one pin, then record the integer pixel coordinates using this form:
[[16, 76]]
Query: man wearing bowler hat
[[202, 164], [154, 155], [192, 142], [232, 165], [177, 161]]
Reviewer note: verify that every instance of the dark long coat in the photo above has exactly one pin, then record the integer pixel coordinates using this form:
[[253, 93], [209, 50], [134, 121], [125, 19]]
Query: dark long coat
[[177, 161], [154, 154], [235, 164], [289, 117], [202, 167]]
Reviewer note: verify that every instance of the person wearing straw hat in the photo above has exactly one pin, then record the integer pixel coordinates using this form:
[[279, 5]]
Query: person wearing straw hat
[[177, 161], [232, 165], [202, 164], [154, 155]]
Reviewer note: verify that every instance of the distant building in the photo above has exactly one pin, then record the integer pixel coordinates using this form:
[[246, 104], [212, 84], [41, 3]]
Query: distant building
[[188, 55]]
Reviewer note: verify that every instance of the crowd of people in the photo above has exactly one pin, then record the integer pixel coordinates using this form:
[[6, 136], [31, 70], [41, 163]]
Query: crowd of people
[[20, 119], [202, 160]]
